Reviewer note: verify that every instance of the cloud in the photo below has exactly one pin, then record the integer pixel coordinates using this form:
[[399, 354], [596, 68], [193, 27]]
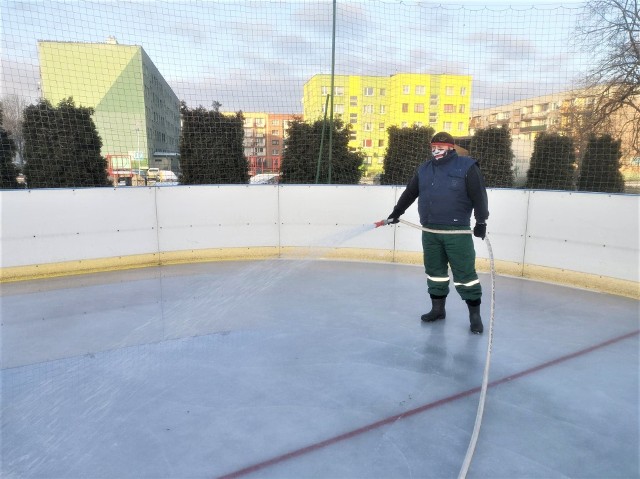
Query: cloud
[[253, 55], [21, 79]]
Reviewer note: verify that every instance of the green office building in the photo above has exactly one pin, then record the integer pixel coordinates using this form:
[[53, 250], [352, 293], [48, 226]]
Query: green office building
[[137, 114]]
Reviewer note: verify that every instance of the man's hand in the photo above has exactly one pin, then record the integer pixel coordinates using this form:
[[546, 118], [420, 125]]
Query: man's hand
[[393, 218], [480, 230]]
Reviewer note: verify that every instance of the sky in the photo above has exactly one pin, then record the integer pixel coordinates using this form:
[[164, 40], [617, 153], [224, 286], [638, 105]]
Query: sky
[[257, 55]]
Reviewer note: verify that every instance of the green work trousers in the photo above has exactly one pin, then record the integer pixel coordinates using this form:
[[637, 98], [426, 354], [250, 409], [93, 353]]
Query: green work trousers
[[455, 250]]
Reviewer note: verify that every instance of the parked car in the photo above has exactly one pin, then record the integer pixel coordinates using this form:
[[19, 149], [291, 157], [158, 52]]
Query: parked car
[[265, 179]]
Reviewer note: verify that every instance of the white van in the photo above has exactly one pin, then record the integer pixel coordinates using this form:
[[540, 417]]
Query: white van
[[167, 176]]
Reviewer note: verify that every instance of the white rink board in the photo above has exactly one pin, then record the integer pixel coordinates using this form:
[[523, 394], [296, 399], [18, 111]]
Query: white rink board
[[506, 226], [407, 238], [335, 216], [595, 233], [586, 232], [57, 225], [210, 216]]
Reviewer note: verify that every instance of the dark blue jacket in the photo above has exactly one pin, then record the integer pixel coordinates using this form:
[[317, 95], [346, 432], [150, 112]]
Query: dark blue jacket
[[448, 191]]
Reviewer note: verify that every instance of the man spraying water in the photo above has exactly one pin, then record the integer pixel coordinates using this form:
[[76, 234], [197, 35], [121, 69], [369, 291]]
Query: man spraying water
[[449, 187]]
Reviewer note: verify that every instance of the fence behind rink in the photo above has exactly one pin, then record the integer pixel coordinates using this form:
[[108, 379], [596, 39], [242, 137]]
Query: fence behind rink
[[159, 103], [584, 239]]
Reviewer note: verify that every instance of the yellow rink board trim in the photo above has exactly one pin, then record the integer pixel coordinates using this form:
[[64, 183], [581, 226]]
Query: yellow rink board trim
[[592, 282]]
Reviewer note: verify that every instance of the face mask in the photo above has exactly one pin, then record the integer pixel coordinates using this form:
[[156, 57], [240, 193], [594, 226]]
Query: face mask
[[438, 150]]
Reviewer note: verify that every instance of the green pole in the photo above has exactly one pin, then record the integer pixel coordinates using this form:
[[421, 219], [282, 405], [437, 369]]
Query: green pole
[[324, 124], [333, 67]]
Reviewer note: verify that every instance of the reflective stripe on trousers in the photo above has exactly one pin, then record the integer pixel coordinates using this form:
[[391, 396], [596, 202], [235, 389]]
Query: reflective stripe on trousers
[[442, 251]]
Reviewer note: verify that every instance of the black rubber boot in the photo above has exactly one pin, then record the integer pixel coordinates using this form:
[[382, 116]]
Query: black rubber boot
[[475, 319], [437, 310]]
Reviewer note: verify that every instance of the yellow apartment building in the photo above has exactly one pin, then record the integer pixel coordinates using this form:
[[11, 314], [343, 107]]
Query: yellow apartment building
[[371, 104]]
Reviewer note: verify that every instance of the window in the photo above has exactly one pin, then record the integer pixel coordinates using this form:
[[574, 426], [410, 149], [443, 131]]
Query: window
[[367, 109], [463, 91], [380, 143], [353, 101], [275, 152], [383, 109], [381, 126], [260, 122], [449, 108], [353, 118], [275, 142], [339, 108], [383, 91], [418, 108], [367, 91], [434, 100], [433, 118], [405, 107], [418, 124], [460, 126], [275, 122], [367, 143], [324, 90], [447, 125], [406, 89], [449, 91], [338, 90], [367, 160], [420, 90], [461, 108], [353, 135], [368, 127], [275, 132]]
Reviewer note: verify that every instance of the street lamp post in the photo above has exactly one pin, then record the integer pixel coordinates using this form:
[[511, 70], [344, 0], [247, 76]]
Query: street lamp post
[[139, 157]]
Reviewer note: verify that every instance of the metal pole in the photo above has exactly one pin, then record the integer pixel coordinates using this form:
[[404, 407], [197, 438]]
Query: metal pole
[[333, 67], [138, 154], [324, 124]]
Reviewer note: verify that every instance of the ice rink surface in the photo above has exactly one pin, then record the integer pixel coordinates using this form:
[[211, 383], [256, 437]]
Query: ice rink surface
[[311, 369]]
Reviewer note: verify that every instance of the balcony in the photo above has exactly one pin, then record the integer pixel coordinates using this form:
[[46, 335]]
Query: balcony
[[526, 129]]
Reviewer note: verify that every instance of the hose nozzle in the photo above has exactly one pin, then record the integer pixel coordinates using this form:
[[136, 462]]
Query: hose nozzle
[[382, 223]]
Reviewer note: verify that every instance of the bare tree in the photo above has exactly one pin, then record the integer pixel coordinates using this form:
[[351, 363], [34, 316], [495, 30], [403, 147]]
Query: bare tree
[[611, 31], [13, 107]]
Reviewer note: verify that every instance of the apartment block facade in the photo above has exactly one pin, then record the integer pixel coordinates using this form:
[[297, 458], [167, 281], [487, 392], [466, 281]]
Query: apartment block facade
[[137, 114], [529, 117], [372, 104], [559, 112], [264, 135]]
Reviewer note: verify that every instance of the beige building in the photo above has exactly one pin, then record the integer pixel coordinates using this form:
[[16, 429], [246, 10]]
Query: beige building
[[559, 112], [264, 135], [527, 118]]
